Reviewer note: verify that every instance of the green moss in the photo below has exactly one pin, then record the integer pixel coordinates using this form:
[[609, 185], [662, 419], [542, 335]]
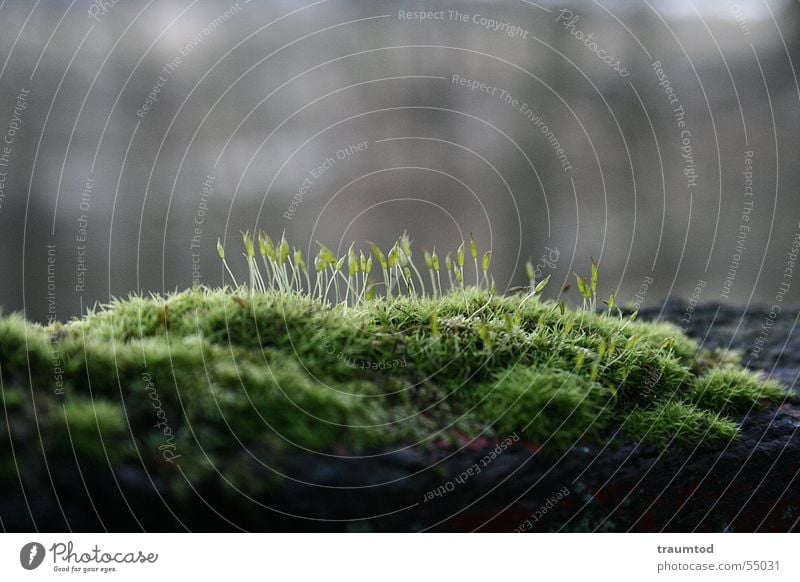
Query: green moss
[[544, 406], [729, 389], [219, 380], [23, 350], [89, 430], [678, 423]]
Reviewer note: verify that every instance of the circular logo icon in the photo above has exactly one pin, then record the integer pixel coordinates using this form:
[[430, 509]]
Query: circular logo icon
[[31, 555]]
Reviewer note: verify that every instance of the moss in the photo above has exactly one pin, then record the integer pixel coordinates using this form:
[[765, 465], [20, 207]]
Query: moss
[[678, 423], [545, 406], [730, 389], [92, 431], [23, 351], [220, 380]]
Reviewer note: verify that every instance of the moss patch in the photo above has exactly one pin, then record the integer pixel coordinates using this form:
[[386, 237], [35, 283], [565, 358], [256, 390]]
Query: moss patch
[[669, 423], [213, 381], [731, 389]]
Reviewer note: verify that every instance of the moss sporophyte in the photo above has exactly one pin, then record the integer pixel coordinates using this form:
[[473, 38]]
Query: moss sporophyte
[[357, 352]]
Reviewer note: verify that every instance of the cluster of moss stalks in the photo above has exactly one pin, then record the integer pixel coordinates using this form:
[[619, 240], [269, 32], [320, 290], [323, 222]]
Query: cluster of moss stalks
[[215, 382]]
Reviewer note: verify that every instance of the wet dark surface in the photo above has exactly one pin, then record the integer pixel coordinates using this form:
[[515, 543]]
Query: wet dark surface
[[751, 485], [765, 338]]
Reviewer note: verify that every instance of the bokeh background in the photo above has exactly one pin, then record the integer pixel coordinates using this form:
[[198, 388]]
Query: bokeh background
[[136, 133]]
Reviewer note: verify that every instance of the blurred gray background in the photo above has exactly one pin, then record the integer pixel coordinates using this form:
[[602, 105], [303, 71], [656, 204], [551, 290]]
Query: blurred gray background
[[136, 133]]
